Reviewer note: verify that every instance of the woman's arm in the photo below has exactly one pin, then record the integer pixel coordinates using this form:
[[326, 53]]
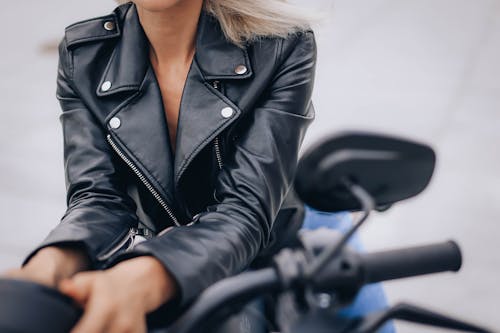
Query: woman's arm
[[99, 210], [52, 264]]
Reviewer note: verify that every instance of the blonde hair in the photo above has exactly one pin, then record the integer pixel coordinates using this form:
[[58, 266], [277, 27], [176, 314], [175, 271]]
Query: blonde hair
[[247, 20]]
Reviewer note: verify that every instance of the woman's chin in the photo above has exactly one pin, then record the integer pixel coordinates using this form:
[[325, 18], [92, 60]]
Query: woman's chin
[[157, 5]]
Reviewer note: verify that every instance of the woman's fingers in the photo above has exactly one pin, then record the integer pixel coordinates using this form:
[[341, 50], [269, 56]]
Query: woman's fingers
[[106, 308], [127, 324], [97, 313], [79, 287], [117, 300], [90, 290], [83, 289]]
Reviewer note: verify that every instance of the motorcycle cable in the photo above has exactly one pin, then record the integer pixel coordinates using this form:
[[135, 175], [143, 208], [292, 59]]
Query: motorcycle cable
[[367, 204]]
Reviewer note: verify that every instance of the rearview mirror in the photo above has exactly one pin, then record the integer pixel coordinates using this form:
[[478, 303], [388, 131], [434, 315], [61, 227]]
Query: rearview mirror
[[389, 169]]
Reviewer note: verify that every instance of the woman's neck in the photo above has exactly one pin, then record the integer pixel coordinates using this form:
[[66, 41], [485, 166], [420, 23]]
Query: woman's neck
[[172, 32]]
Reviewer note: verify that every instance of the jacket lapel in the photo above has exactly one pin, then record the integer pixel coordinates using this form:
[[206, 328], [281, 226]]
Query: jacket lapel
[[143, 132], [200, 118]]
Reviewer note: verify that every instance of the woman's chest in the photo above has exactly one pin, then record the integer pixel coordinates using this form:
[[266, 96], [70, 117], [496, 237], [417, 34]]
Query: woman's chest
[[171, 81]]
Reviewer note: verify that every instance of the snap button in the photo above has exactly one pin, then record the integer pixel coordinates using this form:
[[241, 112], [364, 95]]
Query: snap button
[[241, 69], [115, 122], [227, 112], [109, 25], [106, 86]]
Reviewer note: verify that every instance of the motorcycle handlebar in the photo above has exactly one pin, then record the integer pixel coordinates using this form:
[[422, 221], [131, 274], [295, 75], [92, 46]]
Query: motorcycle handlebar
[[397, 264], [347, 273], [373, 267]]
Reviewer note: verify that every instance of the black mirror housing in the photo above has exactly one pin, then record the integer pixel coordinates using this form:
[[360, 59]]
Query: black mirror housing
[[390, 169]]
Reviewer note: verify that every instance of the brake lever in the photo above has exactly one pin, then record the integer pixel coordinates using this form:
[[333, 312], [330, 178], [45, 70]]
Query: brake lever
[[414, 314]]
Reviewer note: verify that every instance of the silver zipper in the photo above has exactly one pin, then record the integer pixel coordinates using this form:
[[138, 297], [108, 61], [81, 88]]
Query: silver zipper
[[218, 155], [216, 85], [128, 238], [144, 180]]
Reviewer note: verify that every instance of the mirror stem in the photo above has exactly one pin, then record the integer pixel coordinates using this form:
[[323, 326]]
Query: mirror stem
[[368, 204]]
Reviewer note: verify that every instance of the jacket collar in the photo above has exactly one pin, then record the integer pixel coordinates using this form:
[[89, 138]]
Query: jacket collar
[[216, 57]]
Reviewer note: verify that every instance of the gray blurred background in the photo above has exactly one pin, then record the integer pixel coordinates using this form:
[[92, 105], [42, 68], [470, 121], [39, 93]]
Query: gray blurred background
[[423, 69]]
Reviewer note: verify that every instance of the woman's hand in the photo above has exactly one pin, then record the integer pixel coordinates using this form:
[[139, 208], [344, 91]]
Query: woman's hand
[[118, 299], [52, 264]]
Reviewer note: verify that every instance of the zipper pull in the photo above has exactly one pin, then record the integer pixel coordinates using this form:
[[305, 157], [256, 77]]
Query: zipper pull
[[216, 85], [126, 243]]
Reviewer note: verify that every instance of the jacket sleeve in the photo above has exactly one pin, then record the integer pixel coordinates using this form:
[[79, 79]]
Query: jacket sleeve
[[251, 186], [99, 212]]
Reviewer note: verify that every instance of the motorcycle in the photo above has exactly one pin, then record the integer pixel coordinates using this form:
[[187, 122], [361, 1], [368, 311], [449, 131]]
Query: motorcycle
[[311, 282], [315, 281]]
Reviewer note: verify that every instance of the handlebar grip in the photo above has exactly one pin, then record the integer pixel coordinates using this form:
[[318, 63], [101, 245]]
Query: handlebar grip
[[397, 264]]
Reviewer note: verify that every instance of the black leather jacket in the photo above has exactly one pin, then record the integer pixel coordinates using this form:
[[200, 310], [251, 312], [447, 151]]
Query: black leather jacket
[[243, 115]]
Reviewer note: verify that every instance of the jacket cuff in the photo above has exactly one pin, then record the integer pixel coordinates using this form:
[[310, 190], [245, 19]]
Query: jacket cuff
[[59, 238], [78, 235]]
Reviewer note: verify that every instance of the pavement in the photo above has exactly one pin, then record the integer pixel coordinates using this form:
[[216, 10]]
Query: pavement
[[423, 69]]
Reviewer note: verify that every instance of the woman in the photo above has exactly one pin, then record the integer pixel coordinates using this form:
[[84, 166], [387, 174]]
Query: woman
[[182, 119]]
